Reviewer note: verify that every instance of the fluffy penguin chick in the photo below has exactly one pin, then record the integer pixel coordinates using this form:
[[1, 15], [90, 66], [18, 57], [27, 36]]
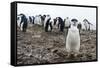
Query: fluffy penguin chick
[[73, 40]]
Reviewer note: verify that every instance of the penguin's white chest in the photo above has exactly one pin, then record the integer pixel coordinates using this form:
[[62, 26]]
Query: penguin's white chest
[[49, 28], [73, 40]]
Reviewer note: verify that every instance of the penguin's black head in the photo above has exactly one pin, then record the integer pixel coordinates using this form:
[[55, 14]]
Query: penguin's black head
[[74, 22]]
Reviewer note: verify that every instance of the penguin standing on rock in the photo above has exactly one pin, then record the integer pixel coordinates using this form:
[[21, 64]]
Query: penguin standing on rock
[[73, 39]]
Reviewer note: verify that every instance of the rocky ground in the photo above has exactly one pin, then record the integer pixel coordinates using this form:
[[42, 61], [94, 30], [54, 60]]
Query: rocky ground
[[37, 46]]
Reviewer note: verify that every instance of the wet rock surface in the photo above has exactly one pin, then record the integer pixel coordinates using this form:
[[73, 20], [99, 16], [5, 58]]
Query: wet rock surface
[[37, 46]]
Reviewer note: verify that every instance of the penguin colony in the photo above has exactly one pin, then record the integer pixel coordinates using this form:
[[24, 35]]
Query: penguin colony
[[72, 37]]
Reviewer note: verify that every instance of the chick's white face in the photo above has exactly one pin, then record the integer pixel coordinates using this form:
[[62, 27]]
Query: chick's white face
[[74, 23]]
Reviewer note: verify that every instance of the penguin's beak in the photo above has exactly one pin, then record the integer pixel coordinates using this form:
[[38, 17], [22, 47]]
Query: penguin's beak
[[74, 23]]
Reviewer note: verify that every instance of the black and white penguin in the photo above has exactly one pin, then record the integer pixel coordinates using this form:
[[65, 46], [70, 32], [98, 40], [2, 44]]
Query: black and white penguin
[[67, 22], [67, 25], [37, 20], [22, 22], [87, 24], [59, 23], [48, 24], [73, 38]]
